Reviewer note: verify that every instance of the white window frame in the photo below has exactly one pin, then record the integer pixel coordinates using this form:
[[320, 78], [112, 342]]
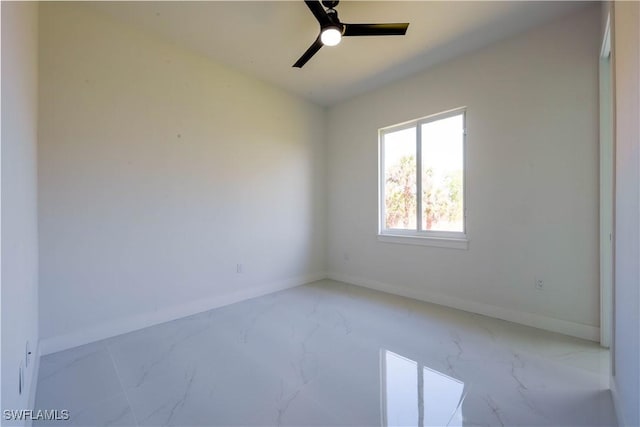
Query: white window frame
[[446, 239]]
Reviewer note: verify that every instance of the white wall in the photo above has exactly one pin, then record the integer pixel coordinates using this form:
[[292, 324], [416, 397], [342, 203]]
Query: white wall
[[626, 351], [19, 198], [159, 172], [532, 177]]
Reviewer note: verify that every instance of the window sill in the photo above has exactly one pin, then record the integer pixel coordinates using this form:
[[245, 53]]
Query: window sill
[[439, 242]]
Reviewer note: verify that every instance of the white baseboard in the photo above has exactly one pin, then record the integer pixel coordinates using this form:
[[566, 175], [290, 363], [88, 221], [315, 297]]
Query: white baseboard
[[125, 325], [144, 320], [573, 329], [617, 404]]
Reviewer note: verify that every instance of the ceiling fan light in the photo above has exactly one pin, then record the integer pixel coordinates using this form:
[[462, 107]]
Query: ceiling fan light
[[330, 36]]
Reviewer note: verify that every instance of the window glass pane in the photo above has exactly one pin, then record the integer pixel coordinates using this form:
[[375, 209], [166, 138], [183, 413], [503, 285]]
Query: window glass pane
[[442, 179], [400, 179]]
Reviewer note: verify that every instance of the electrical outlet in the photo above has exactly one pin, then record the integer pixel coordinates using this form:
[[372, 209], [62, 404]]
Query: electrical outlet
[[539, 284], [27, 355], [238, 268]]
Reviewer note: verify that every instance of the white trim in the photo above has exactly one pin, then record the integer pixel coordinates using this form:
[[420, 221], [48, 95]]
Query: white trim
[[606, 185], [381, 181], [431, 117], [565, 327], [617, 404], [419, 176], [124, 325], [605, 48], [35, 370], [439, 242]]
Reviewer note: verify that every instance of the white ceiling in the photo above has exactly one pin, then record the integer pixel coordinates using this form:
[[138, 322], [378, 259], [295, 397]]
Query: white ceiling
[[264, 38]]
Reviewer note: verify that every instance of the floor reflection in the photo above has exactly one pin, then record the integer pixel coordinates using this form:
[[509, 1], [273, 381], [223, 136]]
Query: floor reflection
[[415, 395]]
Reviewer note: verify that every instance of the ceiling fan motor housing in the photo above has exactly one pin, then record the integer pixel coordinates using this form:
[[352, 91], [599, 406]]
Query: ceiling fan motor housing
[[332, 14], [330, 4]]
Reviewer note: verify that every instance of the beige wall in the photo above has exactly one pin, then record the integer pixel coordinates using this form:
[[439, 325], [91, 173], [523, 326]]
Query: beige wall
[[160, 171], [19, 198], [626, 351], [532, 174]]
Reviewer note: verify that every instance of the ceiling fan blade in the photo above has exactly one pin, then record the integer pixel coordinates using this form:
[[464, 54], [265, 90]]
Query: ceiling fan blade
[[318, 11], [396, 29], [309, 53]]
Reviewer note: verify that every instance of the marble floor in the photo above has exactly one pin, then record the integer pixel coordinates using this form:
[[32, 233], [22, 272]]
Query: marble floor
[[330, 354]]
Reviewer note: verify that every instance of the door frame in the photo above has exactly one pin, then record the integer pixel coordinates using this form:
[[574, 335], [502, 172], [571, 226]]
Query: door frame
[[606, 160]]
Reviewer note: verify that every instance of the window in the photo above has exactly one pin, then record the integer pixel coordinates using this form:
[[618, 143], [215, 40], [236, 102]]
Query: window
[[422, 184]]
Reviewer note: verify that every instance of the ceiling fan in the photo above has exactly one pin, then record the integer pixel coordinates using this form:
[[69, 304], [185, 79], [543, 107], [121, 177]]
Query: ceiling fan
[[332, 30]]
